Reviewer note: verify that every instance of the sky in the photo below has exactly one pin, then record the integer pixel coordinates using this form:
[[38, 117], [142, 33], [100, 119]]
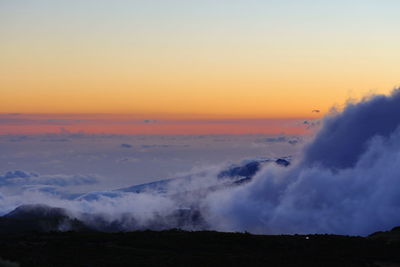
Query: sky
[[16, 123], [195, 60]]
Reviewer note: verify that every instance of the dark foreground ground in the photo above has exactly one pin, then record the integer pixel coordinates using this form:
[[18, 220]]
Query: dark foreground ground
[[179, 248]]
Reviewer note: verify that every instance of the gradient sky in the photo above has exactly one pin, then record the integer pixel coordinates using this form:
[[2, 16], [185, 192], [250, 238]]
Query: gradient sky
[[195, 59]]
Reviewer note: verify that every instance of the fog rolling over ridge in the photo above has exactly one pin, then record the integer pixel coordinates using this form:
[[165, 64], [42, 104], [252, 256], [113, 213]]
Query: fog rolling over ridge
[[346, 181]]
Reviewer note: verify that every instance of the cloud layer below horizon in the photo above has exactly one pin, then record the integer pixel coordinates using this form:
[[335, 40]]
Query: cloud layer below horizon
[[129, 124], [345, 181]]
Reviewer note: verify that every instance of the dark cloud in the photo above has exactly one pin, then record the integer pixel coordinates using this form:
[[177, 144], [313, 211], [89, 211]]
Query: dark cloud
[[278, 139], [281, 139], [155, 146], [126, 146], [18, 174], [149, 121], [55, 140], [19, 138], [310, 124]]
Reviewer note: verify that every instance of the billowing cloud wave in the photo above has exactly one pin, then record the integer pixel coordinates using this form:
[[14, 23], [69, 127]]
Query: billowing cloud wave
[[346, 182]]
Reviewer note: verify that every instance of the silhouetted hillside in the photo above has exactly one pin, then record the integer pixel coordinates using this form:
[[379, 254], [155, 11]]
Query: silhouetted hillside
[[39, 218], [389, 236], [179, 248]]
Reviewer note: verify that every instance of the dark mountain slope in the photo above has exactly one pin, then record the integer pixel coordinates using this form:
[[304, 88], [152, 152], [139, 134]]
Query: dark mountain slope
[[179, 248], [39, 218]]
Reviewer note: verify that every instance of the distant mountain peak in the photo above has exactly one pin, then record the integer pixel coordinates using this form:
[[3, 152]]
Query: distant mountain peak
[[36, 210]]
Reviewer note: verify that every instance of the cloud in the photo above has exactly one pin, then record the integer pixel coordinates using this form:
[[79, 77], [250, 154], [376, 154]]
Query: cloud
[[55, 140], [24, 178], [312, 124], [346, 182], [19, 138], [345, 136], [149, 121], [160, 205], [282, 139], [126, 146]]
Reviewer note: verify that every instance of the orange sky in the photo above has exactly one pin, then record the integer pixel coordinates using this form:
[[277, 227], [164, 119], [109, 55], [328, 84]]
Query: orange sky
[[194, 59], [126, 124]]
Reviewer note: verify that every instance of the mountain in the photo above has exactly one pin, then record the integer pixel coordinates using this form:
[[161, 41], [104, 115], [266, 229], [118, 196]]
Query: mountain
[[36, 212], [39, 218], [388, 236], [233, 175], [185, 191]]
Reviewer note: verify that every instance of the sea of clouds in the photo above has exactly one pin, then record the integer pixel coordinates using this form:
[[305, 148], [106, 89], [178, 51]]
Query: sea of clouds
[[345, 180]]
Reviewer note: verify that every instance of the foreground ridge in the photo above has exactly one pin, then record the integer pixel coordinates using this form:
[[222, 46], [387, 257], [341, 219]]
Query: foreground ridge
[[202, 248]]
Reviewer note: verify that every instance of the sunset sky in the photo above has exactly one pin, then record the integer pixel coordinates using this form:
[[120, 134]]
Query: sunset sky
[[256, 116], [191, 60]]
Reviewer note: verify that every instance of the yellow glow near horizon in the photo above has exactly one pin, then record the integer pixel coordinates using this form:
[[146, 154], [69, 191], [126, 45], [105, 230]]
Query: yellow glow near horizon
[[214, 66]]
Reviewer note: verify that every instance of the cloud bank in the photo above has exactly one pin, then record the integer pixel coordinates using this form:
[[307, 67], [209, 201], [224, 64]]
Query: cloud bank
[[346, 181]]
